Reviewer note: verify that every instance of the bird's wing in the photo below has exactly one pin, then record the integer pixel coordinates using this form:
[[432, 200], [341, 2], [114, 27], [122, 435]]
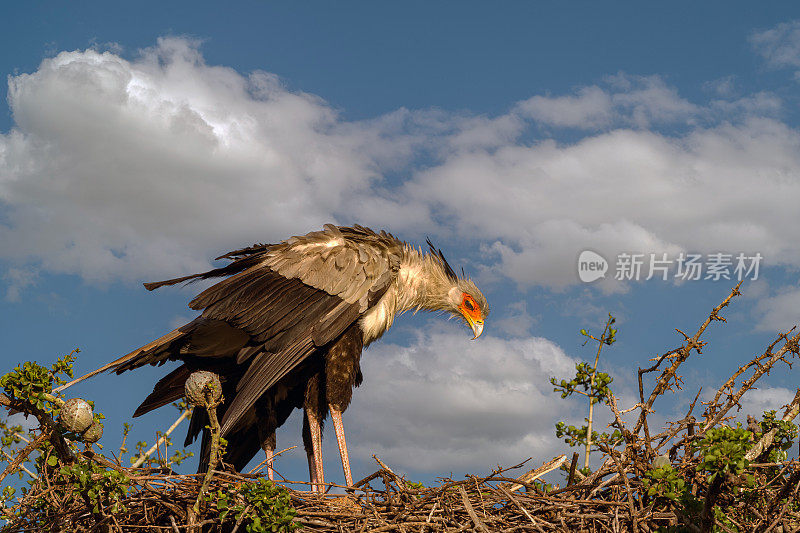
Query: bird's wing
[[201, 338], [303, 294], [351, 263], [241, 260]]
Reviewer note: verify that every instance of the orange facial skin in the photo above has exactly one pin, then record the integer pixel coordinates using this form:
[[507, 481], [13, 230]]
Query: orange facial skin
[[472, 313], [469, 308]]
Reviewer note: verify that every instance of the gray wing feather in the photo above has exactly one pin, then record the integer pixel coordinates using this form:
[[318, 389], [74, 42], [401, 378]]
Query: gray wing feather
[[263, 372], [344, 262], [350, 268], [293, 298]]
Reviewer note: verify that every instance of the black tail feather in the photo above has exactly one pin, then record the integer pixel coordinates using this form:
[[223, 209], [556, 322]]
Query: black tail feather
[[170, 388], [245, 261]]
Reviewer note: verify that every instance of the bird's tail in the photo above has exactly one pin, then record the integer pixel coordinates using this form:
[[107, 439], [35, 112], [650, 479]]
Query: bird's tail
[[242, 260], [149, 353], [169, 389]]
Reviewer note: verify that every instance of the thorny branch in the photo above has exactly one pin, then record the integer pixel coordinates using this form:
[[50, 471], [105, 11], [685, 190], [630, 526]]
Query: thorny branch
[[678, 356], [618, 496]]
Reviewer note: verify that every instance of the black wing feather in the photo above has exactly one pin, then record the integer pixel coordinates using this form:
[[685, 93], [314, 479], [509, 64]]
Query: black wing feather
[[235, 267], [287, 302]]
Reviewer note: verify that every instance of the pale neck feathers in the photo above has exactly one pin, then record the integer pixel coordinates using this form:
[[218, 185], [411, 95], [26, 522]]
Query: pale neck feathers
[[422, 283]]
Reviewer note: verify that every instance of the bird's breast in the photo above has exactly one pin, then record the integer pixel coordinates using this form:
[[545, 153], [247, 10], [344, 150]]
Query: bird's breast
[[402, 295], [379, 317]]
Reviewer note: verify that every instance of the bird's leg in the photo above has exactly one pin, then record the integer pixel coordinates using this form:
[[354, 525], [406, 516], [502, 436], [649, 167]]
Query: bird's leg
[[315, 430], [270, 472], [312, 471], [266, 433], [309, 447], [314, 407], [336, 415]]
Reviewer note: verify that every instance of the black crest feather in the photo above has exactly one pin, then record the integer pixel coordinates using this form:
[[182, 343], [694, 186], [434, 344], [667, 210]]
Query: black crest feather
[[438, 253]]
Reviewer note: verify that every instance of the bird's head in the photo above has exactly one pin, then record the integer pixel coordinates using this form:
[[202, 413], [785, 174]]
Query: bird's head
[[470, 305], [462, 298]]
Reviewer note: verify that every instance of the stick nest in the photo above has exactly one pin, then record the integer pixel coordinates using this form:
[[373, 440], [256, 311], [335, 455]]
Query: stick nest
[[700, 473]]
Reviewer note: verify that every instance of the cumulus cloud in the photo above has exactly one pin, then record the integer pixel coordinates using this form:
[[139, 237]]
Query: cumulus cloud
[[515, 320], [780, 45], [17, 279], [725, 86], [755, 402], [124, 169], [730, 187], [444, 402], [639, 101], [649, 100], [778, 311], [26, 422], [759, 104], [591, 107]]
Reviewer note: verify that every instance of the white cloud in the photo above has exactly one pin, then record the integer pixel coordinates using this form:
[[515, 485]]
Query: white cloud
[[126, 170], [649, 100], [725, 86], [590, 108], [731, 187], [780, 45], [515, 321], [585, 306], [780, 311], [756, 401], [726, 188], [445, 402], [755, 290], [18, 279], [758, 104], [26, 422], [639, 101]]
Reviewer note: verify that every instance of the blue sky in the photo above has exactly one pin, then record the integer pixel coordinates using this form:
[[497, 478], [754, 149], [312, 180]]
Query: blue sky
[[138, 143]]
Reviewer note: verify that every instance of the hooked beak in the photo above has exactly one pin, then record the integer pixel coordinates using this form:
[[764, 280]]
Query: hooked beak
[[476, 325]]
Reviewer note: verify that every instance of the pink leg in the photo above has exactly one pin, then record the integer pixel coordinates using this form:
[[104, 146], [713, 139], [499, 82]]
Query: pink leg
[[268, 445], [312, 471], [336, 415], [316, 443], [270, 472]]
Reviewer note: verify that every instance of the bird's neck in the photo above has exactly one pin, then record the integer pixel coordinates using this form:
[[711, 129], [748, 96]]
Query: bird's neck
[[421, 284]]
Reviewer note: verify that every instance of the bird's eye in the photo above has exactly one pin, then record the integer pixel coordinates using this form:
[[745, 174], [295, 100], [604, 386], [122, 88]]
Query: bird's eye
[[468, 304]]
